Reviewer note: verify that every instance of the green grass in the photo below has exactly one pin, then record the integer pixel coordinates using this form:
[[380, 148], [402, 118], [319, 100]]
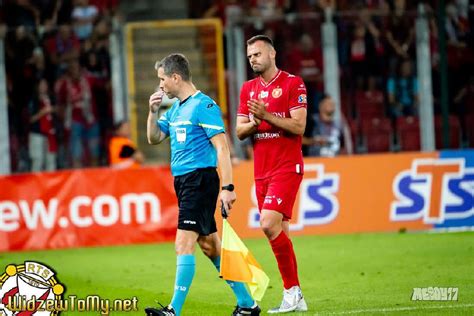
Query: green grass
[[345, 274]]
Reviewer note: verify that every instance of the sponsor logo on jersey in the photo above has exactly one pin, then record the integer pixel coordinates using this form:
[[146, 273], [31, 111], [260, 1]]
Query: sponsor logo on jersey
[[263, 94], [302, 98]]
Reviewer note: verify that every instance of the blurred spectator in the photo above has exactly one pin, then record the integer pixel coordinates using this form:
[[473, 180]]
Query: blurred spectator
[[229, 11], [42, 139], [306, 61], [123, 153], [324, 135], [79, 115], [457, 23], [400, 34], [464, 98], [106, 8], [64, 11], [402, 91], [62, 48], [84, 16], [267, 9], [366, 51], [22, 12]]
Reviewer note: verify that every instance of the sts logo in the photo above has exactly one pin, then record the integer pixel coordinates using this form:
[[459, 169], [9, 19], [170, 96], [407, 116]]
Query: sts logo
[[438, 191], [316, 203]]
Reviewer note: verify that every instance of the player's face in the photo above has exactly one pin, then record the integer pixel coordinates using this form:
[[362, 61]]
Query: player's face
[[166, 83], [261, 56]]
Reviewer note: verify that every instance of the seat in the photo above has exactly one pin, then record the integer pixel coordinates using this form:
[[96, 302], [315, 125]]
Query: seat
[[377, 134], [408, 133], [454, 132], [369, 104], [469, 126]]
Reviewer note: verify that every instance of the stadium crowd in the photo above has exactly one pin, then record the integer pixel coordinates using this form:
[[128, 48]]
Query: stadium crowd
[[58, 72], [58, 82]]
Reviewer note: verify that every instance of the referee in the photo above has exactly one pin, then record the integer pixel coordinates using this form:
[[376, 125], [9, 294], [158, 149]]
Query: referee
[[198, 144]]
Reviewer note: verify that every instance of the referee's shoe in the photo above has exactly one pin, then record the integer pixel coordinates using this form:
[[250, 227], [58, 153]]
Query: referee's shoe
[[164, 311], [247, 311]]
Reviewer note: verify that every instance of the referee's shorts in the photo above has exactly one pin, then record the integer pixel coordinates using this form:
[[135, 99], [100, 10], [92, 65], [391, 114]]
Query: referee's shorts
[[197, 194]]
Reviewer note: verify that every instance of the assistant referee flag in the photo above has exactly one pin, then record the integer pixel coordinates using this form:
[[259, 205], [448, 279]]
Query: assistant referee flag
[[238, 264]]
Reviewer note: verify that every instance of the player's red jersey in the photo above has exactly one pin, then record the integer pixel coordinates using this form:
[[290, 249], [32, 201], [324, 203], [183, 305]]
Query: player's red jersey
[[275, 151]]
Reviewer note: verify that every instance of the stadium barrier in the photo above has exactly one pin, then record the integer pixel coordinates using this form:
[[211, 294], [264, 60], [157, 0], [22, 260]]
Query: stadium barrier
[[371, 193]]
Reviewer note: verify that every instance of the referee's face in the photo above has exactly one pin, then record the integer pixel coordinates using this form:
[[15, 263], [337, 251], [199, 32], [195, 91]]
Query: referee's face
[[166, 83]]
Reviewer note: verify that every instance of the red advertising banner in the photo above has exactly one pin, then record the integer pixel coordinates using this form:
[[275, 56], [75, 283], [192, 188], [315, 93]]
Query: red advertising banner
[[87, 208], [371, 193]]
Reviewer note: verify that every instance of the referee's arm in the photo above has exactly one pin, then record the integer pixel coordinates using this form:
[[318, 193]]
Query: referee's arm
[[219, 142]]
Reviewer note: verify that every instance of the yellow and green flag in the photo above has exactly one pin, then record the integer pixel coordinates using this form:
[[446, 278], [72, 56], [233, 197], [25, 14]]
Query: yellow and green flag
[[238, 264]]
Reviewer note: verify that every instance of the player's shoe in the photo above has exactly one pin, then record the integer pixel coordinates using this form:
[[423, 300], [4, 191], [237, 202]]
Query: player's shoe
[[293, 300], [163, 311], [246, 311]]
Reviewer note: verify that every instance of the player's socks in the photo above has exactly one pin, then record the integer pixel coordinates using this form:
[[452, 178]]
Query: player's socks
[[295, 262], [285, 256], [185, 268], [240, 291]]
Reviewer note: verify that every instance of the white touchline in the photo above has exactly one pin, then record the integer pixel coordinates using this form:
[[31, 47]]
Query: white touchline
[[388, 310]]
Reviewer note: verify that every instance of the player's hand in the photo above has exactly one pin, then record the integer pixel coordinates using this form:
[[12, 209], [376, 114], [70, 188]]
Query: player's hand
[[155, 101], [257, 108], [227, 198], [256, 121]]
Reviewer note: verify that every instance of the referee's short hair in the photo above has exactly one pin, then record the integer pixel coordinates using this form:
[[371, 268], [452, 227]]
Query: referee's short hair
[[175, 64], [262, 38]]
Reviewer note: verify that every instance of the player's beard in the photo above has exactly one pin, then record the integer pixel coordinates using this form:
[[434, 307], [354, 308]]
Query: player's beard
[[258, 71]]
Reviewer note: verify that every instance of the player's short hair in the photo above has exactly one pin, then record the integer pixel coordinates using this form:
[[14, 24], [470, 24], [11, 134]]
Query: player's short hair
[[175, 64], [262, 38]]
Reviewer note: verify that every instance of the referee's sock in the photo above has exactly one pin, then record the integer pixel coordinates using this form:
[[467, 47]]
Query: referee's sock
[[240, 291], [285, 256], [186, 266]]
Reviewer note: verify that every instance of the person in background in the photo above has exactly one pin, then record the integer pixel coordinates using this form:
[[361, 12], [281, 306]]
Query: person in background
[[123, 153], [402, 91], [78, 111], [325, 134], [84, 16], [42, 138]]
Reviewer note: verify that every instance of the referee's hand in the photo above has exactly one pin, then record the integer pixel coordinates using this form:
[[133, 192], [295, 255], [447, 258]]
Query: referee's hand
[[155, 101], [227, 198]]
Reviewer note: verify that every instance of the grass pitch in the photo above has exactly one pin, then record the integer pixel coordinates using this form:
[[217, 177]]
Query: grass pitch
[[364, 274]]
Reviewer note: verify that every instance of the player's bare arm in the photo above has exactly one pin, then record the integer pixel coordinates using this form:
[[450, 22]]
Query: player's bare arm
[[295, 124], [224, 163], [246, 127], [153, 131]]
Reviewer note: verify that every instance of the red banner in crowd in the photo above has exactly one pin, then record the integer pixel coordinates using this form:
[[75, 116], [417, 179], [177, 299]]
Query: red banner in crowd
[[372, 193]]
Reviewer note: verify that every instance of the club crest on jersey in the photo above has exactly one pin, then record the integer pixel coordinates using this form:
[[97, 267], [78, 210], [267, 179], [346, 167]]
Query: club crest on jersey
[[302, 98], [277, 92]]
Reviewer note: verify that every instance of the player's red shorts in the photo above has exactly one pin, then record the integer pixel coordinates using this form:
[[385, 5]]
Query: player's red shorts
[[278, 193]]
